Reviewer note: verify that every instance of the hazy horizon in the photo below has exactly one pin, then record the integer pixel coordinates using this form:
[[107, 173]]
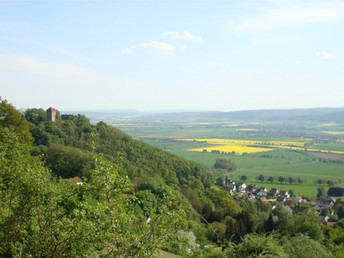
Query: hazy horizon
[[172, 55]]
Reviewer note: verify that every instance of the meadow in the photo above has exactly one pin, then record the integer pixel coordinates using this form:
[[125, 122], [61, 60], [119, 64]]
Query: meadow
[[299, 150]]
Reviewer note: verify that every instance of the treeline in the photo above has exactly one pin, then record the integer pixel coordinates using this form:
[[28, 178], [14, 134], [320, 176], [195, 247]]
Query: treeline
[[291, 180]]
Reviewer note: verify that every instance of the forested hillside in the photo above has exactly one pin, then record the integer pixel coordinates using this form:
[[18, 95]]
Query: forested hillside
[[135, 200], [64, 144]]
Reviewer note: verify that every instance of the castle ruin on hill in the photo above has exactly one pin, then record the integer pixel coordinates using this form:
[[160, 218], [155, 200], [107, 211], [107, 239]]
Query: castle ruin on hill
[[51, 115]]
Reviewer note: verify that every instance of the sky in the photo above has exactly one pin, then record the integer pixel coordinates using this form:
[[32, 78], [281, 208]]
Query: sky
[[219, 55]]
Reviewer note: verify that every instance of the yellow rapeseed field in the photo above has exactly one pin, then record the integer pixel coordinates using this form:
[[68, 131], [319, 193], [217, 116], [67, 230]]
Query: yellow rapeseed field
[[329, 124], [247, 146], [244, 146], [246, 129], [331, 132]]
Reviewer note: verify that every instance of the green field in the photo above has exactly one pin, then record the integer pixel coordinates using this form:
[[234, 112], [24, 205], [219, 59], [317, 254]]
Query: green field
[[280, 162]]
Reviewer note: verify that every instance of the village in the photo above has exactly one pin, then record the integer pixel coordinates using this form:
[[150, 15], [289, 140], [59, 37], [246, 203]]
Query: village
[[324, 206]]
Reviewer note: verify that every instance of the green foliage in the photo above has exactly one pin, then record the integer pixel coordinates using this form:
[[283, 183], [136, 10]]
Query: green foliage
[[243, 178], [224, 163], [313, 230], [256, 246], [285, 222], [35, 115], [336, 191], [321, 192], [334, 240], [67, 162], [43, 217], [302, 246], [139, 159], [11, 120], [340, 212]]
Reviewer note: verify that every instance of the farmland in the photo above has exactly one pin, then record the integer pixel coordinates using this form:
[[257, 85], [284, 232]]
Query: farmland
[[310, 151]]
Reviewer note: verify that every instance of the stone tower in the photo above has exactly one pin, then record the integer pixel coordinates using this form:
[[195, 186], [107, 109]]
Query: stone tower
[[51, 114]]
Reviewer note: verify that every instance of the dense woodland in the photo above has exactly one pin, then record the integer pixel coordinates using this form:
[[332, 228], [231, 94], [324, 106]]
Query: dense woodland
[[135, 200]]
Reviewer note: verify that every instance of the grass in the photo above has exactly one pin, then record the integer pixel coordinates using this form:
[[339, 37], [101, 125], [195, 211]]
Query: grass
[[277, 163], [246, 161]]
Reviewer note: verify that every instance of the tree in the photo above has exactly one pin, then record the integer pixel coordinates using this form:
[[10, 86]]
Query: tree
[[302, 246], [336, 191], [261, 178], [225, 164], [12, 120], [321, 192], [285, 221], [35, 115], [291, 180], [219, 181], [67, 162], [281, 179], [47, 217], [256, 246], [243, 178], [271, 179], [340, 212], [291, 193], [311, 229], [43, 217]]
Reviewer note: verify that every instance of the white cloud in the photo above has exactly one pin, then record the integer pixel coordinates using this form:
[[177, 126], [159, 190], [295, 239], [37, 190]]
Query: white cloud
[[287, 16], [128, 51], [158, 48], [30, 82], [154, 47], [173, 35], [326, 55]]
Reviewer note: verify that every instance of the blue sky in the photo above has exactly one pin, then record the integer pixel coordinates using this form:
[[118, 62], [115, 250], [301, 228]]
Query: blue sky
[[163, 55]]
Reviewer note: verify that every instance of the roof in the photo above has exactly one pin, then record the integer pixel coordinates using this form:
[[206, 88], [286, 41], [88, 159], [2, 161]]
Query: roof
[[51, 108], [283, 193], [273, 190], [75, 179]]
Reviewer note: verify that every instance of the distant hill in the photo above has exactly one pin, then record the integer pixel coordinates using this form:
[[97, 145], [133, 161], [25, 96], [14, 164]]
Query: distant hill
[[273, 115]]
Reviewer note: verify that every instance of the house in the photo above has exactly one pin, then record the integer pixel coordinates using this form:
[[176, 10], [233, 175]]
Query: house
[[241, 187], [281, 199], [230, 187], [263, 189], [260, 192], [251, 188], [325, 202], [263, 200], [299, 199], [273, 192], [285, 194], [304, 210], [328, 222], [77, 180]]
